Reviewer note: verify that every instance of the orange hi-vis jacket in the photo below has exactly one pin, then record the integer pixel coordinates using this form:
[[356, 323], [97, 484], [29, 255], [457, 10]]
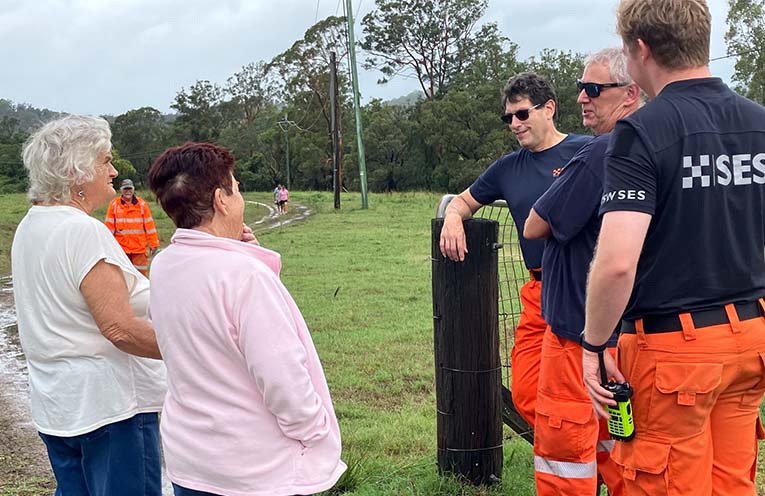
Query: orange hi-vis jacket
[[132, 225]]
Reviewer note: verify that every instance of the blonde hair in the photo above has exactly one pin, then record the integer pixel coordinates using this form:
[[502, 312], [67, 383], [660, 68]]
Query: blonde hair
[[677, 31]]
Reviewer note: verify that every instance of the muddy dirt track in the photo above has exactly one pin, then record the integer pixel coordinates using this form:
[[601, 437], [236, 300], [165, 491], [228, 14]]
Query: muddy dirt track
[[22, 454]]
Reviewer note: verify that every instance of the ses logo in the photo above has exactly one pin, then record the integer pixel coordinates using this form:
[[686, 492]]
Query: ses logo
[[705, 171], [623, 194]]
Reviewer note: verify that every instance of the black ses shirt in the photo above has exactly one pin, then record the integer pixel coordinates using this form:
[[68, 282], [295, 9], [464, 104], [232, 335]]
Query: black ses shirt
[[694, 159], [570, 207], [520, 178]]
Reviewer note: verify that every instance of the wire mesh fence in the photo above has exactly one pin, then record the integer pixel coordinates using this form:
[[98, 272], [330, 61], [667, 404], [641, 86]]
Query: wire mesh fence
[[512, 274]]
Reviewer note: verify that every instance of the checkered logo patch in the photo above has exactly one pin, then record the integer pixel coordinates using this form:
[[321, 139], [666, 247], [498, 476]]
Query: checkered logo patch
[[697, 174]]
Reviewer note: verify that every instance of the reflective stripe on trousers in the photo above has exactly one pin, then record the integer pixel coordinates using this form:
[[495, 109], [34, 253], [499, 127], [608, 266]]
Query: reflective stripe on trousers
[[566, 470], [605, 446], [571, 447]]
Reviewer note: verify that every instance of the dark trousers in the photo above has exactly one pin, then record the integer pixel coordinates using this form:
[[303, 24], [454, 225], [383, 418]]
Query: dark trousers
[[119, 459], [182, 491]]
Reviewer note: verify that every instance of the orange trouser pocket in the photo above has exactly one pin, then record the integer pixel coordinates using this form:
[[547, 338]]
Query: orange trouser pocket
[[565, 439], [683, 397], [645, 466], [565, 429]]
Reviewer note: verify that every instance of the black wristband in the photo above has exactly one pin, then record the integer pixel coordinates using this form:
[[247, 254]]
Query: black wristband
[[591, 347]]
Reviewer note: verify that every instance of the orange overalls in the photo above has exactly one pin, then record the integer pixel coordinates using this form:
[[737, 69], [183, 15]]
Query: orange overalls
[[545, 370], [133, 227], [527, 350], [697, 393], [571, 447]]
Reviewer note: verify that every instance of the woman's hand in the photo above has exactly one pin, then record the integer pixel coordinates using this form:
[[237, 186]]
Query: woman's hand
[[247, 235]]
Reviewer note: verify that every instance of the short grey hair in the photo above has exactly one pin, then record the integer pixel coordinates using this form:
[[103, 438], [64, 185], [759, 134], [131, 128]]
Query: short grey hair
[[615, 60], [62, 154]]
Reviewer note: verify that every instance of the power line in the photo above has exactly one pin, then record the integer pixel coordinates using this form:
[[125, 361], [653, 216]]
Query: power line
[[358, 12], [316, 18], [735, 54], [348, 45]]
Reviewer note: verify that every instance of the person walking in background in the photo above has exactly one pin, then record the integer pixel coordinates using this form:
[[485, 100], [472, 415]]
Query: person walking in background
[[129, 219], [95, 382], [257, 419], [276, 198], [568, 439], [519, 178], [680, 260], [284, 197]]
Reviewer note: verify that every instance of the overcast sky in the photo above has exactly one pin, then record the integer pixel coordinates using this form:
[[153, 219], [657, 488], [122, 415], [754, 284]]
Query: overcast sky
[[110, 56]]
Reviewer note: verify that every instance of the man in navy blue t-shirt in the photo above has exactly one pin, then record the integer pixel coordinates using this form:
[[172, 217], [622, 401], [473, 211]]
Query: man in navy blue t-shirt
[[680, 257], [519, 178], [567, 217]]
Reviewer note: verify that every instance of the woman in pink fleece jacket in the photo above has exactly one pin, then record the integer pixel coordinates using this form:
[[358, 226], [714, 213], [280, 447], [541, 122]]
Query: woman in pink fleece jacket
[[248, 410]]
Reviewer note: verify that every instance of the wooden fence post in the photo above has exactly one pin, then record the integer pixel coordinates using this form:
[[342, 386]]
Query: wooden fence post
[[466, 341]]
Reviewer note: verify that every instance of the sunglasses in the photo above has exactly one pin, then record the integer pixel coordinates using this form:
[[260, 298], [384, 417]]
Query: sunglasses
[[521, 115], [593, 90]]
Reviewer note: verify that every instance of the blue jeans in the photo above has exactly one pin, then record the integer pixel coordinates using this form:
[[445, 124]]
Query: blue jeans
[[182, 491], [119, 459]]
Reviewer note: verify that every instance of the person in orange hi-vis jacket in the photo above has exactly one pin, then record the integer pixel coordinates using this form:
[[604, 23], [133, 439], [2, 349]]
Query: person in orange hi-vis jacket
[[129, 219]]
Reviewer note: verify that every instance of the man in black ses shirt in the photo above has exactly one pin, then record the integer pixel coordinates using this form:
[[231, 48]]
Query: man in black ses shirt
[[680, 255]]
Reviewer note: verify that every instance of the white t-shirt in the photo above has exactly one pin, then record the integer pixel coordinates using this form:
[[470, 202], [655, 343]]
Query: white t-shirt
[[79, 380]]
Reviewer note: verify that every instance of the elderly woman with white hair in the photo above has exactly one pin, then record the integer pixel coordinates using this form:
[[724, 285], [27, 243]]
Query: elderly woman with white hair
[[96, 379]]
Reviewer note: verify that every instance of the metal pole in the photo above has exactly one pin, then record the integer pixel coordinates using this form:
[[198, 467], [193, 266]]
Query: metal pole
[[355, 80]]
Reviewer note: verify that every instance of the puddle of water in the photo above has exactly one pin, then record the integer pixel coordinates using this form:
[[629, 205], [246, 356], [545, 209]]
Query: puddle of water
[[13, 367]]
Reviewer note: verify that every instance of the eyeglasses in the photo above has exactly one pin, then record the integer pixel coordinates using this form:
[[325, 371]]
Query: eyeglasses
[[593, 90], [521, 115]]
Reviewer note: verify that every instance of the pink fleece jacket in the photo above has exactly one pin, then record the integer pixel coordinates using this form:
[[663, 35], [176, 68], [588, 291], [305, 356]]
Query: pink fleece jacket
[[248, 410]]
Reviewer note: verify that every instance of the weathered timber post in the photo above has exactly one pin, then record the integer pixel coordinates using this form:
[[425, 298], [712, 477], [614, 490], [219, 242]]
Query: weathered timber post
[[466, 340]]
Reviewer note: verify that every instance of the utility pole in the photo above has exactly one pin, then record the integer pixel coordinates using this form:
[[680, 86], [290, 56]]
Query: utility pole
[[336, 184], [285, 126], [355, 78]]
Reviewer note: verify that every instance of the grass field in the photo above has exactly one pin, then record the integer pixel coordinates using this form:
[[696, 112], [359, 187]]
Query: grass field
[[362, 280]]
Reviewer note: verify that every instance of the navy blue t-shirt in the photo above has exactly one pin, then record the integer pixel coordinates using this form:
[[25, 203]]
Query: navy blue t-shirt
[[570, 207], [694, 159], [520, 178]]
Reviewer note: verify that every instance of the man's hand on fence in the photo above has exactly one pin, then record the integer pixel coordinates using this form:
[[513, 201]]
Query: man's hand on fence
[[452, 243]]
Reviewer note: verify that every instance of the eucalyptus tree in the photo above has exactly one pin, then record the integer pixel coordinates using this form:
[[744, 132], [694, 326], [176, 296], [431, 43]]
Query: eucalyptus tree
[[746, 41], [305, 72], [199, 112], [140, 135], [429, 40]]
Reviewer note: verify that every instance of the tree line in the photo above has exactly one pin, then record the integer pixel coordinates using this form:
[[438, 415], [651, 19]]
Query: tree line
[[276, 114]]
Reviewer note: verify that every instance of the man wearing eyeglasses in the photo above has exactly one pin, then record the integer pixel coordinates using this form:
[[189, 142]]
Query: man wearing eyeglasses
[[571, 448], [519, 178], [680, 260]]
